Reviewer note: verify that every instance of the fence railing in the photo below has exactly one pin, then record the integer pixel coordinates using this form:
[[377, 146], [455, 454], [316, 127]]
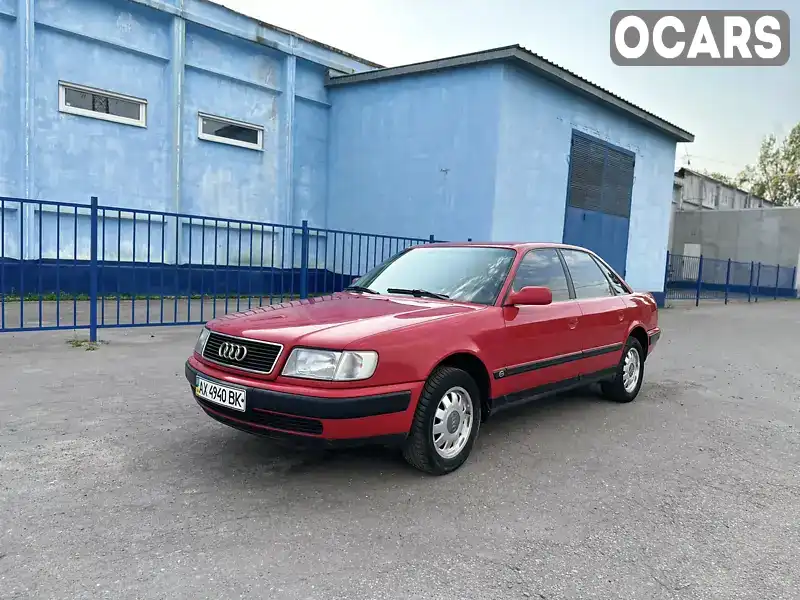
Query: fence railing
[[88, 266], [697, 277]]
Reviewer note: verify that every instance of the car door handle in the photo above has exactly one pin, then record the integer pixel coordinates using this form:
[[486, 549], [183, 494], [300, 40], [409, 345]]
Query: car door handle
[[572, 323], [621, 316]]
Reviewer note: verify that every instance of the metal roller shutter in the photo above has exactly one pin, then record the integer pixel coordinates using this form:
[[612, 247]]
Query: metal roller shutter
[[600, 177]]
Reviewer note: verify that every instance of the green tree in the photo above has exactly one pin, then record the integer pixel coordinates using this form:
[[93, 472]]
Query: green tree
[[776, 174]]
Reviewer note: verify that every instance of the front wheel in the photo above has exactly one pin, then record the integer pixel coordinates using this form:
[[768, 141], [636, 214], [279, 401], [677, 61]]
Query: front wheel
[[446, 422], [630, 372]]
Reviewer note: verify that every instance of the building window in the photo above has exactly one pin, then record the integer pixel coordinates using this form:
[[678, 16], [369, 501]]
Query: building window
[[100, 104], [600, 176], [228, 131]]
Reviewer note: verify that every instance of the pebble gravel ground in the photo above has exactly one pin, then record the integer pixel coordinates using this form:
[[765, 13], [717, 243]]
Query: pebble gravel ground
[[114, 485]]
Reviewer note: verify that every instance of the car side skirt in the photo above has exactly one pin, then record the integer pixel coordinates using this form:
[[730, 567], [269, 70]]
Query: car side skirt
[[555, 361], [550, 389]]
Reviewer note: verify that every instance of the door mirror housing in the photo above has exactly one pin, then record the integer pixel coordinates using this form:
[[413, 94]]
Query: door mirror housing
[[531, 296]]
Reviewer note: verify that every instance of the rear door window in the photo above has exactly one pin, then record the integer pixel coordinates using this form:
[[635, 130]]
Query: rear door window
[[587, 278], [617, 284]]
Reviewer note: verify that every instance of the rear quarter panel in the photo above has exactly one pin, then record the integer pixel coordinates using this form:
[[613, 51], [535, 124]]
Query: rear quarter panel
[[643, 311]]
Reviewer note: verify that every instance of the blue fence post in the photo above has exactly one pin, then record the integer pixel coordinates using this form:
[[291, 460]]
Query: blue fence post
[[794, 281], [432, 238], [750, 284], [304, 249], [666, 277], [699, 281], [727, 281], [758, 280], [93, 272], [777, 281]]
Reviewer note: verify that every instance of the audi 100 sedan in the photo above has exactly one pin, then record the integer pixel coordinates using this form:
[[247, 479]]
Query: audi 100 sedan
[[420, 351]]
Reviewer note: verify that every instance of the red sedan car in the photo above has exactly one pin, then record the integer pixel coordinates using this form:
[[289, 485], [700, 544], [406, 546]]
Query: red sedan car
[[425, 347]]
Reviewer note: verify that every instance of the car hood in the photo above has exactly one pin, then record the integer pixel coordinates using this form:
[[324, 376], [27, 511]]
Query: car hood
[[336, 321]]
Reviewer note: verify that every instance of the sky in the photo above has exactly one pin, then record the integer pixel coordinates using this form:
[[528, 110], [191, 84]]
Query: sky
[[728, 109]]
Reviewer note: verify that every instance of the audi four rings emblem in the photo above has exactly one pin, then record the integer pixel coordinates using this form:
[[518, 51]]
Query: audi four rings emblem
[[233, 352]]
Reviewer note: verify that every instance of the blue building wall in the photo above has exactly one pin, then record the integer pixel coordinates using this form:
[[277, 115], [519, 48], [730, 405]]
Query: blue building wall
[[535, 130], [483, 153], [76, 157], [10, 135], [310, 146], [416, 154], [224, 77], [183, 57], [478, 152]]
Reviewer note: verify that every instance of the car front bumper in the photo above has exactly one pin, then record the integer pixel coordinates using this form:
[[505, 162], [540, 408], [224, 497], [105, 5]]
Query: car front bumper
[[364, 416]]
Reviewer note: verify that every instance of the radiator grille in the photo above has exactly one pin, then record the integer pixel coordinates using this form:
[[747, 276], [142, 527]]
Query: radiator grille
[[260, 356]]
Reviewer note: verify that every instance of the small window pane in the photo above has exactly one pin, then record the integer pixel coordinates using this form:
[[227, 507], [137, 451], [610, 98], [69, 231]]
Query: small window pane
[[101, 103], [230, 131], [542, 268], [616, 282], [587, 278]]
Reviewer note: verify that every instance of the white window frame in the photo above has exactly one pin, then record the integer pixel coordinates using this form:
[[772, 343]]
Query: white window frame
[[223, 140], [82, 112]]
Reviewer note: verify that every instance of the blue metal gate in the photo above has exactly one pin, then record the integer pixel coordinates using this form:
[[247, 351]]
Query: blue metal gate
[[604, 234], [599, 191]]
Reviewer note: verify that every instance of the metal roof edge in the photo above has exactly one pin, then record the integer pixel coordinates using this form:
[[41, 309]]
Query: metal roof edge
[[683, 170], [437, 64], [531, 61], [575, 81], [299, 36], [313, 42]]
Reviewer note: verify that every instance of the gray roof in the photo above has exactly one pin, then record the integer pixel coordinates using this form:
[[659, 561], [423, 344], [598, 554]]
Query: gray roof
[[681, 173], [532, 62]]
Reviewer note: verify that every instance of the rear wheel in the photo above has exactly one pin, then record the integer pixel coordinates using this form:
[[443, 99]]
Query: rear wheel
[[446, 422], [630, 372]]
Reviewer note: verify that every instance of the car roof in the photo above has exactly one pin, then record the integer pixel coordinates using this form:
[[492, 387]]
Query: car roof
[[509, 245]]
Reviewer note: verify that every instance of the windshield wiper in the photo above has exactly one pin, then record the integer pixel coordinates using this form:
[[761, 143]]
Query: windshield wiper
[[418, 293], [360, 288]]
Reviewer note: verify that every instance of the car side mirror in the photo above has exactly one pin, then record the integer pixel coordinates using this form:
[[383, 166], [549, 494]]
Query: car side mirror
[[531, 296], [354, 280]]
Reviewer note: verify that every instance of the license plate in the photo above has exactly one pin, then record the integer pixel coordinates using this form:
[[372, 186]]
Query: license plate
[[221, 394]]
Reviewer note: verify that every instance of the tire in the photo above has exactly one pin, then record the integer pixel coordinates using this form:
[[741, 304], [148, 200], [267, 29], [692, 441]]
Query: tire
[[445, 384], [615, 389]]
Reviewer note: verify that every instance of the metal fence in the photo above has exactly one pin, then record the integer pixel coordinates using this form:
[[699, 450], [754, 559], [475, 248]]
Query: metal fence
[[697, 277], [89, 266]]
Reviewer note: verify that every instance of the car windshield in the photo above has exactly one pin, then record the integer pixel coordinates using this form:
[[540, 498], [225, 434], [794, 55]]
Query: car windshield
[[464, 274]]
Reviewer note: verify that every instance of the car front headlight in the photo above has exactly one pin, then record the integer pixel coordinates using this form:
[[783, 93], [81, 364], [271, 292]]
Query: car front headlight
[[201, 341], [330, 365]]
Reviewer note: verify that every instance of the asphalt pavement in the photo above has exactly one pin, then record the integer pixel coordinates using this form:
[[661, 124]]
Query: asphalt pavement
[[113, 484]]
